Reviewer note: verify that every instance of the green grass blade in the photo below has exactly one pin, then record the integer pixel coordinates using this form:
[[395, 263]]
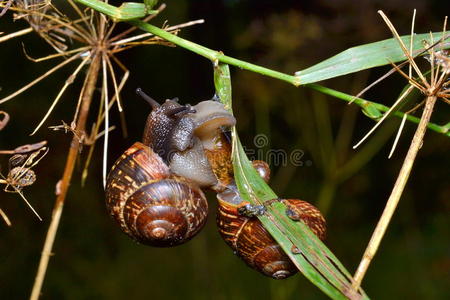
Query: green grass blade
[[365, 57], [315, 261]]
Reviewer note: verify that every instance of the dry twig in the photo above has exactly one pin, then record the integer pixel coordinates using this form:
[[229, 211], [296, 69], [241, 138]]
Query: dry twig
[[434, 88]]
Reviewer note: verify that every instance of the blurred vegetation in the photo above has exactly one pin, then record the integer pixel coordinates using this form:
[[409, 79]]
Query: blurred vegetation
[[94, 260]]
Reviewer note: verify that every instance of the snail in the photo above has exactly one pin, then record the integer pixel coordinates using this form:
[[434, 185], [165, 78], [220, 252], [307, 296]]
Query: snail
[[244, 233], [154, 189], [248, 238]]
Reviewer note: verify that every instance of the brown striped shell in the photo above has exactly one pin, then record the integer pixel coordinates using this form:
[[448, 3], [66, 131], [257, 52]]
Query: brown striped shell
[[262, 168], [150, 204], [250, 240]]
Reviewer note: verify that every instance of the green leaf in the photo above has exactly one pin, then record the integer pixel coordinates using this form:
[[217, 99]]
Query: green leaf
[[125, 12], [222, 83], [149, 4], [365, 57], [315, 260], [372, 112]]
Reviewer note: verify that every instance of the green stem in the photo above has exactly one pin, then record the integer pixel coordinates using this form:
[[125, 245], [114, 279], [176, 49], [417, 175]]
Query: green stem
[[365, 104], [217, 56], [212, 54], [122, 13]]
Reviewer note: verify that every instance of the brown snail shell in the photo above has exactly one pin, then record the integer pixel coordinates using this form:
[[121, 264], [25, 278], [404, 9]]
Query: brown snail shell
[[252, 242], [262, 168], [151, 205], [246, 235]]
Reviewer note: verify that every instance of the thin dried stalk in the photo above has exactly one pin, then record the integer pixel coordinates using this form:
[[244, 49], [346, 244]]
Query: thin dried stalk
[[43, 76], [5, 217], [68, 82], [432, 90], [397, 137], [4, 119], [16, 34], [397, 191], [68, 171], [106, 105]]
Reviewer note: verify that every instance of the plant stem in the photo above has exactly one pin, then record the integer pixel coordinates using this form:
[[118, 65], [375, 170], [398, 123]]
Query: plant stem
[[63, 184], [218, 56], [212, 54], [366, 103], [396, 193]]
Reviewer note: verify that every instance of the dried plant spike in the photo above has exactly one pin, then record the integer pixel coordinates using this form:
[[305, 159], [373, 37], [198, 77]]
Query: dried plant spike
[[79, 102], [411, 80], [43, 76], [29, 205], [16, 189], [390, 72], [15, 34], [5, 217], [386, 114], [145, 35], [106, 108], [87, 95], [4, 119], [6, 7], [432, 91], [397, 68], [52, 56], [119, 89], [20, 173], [395, 195], [411, 41], [82, 16], [68, 82], [397, 137], [116, 89], [402, 45]]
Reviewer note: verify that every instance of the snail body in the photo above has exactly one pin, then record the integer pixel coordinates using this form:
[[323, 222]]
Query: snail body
[[181, 134]]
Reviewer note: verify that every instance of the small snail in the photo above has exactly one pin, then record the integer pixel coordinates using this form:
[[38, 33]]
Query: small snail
[[153, 189], [248, 238]]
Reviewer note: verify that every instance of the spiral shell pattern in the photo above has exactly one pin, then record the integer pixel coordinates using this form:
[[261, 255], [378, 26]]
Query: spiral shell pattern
[[150, 204]]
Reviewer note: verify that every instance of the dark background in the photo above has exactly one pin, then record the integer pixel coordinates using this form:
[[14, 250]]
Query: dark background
[[94, 260]]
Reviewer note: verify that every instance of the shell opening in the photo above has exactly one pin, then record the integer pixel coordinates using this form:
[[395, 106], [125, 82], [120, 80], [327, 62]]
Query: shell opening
[[230, 195]]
